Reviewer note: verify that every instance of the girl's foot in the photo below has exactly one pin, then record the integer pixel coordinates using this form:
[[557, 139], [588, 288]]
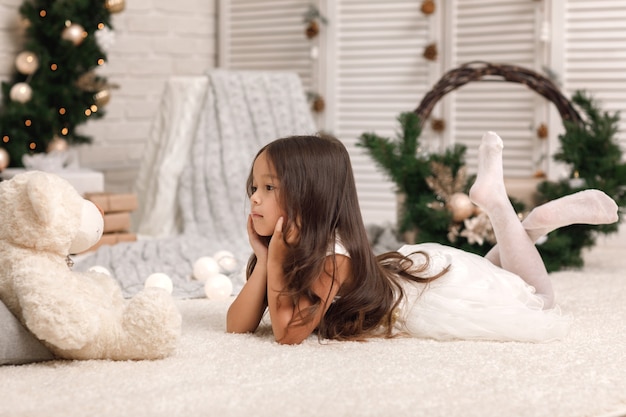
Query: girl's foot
[[488, 189], [583, 207]]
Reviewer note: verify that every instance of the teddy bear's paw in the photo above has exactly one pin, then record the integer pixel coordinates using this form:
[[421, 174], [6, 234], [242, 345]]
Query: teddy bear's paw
[[152, 324], [57, 326]]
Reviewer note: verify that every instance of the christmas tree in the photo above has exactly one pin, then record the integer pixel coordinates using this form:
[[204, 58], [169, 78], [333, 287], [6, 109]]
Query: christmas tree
[[55, 87]]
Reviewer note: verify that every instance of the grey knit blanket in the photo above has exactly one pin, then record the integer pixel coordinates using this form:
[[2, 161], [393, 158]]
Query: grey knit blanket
[[191, 184]]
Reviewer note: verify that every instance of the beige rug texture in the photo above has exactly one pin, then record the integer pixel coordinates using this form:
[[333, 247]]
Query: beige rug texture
[[219, 374]]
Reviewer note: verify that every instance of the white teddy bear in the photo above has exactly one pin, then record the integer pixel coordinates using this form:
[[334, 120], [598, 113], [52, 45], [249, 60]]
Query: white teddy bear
[[77, 315]]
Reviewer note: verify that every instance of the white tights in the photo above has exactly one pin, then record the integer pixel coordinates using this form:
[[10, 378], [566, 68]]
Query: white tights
[[516, 251]]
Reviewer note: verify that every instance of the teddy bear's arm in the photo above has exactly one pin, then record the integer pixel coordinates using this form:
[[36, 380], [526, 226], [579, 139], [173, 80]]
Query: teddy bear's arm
[[55, 315]]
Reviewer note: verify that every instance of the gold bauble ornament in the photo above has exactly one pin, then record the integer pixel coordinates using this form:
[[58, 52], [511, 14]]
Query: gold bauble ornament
[[5, 159], [461, 207], [26, 62], [57, 144], [74, 33], [115, 6], [21, 92], [102, 97]]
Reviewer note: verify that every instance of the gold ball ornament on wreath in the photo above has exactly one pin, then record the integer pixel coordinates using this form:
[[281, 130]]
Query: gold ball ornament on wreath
[[26, 62], [461, 207], [21, 92], [115, 6], [5, 159], [74, 33]]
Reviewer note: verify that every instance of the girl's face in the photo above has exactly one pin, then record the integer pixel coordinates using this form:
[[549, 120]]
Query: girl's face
[[264, 202]]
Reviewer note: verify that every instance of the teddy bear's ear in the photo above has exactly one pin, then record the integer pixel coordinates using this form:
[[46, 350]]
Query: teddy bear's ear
[[38, 190]]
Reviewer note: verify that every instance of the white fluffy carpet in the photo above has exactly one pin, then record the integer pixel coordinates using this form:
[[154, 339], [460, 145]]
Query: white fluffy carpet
[[218, 374]]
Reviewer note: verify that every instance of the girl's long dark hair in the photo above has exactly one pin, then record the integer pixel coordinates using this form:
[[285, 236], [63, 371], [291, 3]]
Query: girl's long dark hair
[[318, 193]]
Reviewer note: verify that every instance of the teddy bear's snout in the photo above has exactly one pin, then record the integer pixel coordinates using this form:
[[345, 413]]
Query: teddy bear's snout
[[91, 228]]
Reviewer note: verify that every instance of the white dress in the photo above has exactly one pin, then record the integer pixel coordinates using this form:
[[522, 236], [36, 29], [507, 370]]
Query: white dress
[[474, 300]]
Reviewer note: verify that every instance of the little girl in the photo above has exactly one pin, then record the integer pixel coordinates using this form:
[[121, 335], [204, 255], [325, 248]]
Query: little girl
[[313, 267]]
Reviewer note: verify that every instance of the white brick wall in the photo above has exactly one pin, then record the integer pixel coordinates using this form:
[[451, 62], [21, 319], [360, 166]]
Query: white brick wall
[[154, 39]]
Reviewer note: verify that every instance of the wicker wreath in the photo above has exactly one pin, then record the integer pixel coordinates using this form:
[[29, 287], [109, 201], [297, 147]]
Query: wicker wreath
[[484, 71]]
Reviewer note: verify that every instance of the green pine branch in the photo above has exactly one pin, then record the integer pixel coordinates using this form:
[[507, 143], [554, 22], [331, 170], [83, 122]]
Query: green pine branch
[[590, 147], [593, 154]]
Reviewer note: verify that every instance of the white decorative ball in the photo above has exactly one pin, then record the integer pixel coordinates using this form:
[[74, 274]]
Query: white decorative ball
[[100, 269], [226, 261], [218, 287], [160, 280], [21, 92], [205, 267]]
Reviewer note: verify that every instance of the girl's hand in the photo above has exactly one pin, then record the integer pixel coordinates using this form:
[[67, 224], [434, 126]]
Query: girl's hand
[[278, 247], [257, 244], [291, 322], [246, 311]]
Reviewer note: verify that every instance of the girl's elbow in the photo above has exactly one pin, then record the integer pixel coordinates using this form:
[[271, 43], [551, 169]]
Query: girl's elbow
[[285, 341], [232, 329], [238, 329], [291, 338], [236, 326]]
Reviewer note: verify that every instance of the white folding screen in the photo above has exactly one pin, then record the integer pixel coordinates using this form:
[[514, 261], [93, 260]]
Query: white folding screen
[[380, 72], [370, 68], [594, 52], [498, 32], [264, 35]]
